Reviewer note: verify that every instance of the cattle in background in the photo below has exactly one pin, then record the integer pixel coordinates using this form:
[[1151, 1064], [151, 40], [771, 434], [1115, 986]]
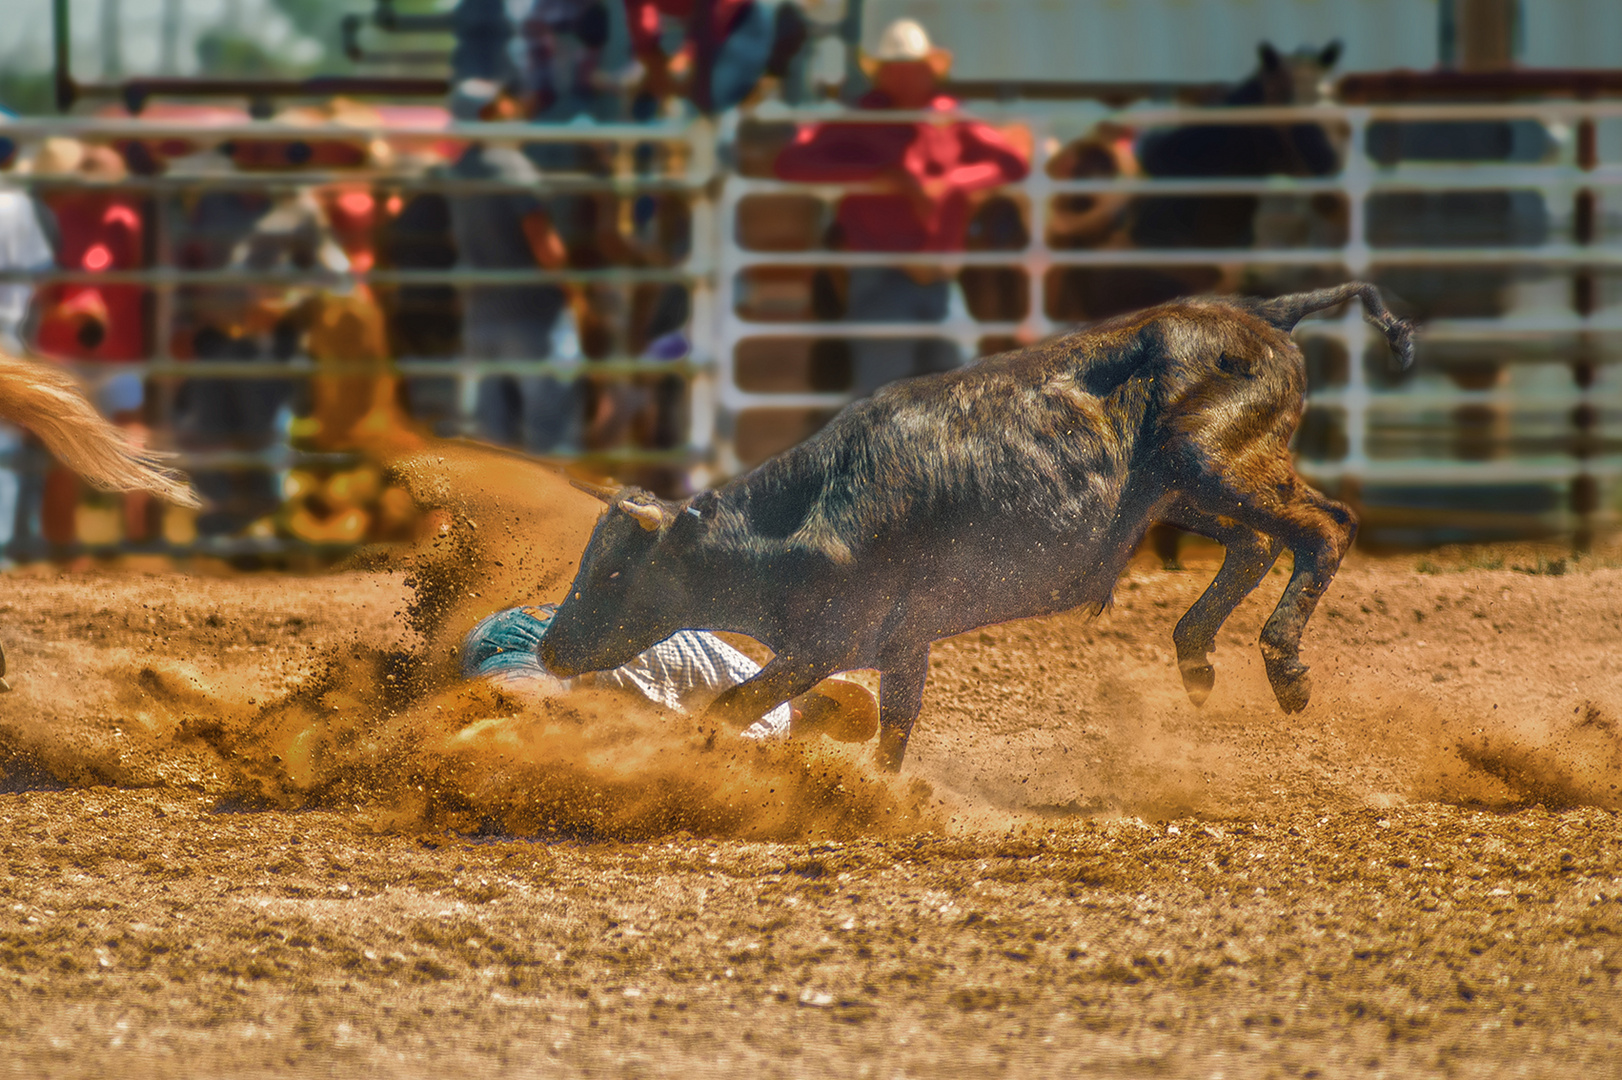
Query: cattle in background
[[1016, 487], [1207, 151]]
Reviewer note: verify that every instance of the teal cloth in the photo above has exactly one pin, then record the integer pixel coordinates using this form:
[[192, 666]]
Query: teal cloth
[[505, 643]]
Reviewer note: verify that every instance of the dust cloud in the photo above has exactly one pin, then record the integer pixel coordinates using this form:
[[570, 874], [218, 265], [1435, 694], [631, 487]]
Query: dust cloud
[[1474, 685], [390, 729]]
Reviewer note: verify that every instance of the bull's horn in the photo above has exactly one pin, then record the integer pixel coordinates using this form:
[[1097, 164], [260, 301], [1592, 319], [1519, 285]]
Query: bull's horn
[[649, 517], [603, 492]]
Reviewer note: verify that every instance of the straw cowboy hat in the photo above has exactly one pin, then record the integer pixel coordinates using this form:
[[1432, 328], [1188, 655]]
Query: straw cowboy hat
[[62, 156], [905, 41]]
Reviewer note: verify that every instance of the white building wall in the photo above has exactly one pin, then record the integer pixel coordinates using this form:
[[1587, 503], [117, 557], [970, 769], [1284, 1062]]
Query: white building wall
[[1180, 40], [1572, 33]]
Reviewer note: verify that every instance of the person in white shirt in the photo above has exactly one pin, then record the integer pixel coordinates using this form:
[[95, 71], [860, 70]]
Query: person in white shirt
[[24, 245], [683, 673]]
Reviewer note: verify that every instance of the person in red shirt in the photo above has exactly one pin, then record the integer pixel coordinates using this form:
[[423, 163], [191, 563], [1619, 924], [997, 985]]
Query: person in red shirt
[[99, 229], [925, 174]]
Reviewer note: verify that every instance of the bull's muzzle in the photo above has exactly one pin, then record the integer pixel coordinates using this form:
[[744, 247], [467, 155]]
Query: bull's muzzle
[[549, 658]]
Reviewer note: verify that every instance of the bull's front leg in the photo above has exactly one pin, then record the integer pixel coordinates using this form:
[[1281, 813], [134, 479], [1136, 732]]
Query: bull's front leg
[[901, 696], [739, 706]]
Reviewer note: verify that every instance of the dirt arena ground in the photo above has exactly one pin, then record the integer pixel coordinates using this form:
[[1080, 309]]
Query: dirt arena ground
[[244, 834]]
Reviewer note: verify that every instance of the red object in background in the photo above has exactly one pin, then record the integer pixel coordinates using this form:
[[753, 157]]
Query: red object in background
[[942, 164], [353, 215], [643, 17], [99, 231]]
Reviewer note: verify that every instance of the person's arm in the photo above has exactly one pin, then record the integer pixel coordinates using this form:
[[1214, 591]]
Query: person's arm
[[544, 242], [121, 238], [987, 159], [842, 153]]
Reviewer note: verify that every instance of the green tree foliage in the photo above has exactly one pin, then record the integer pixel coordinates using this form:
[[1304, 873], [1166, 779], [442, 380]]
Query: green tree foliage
[[27, 93], [223, 52]]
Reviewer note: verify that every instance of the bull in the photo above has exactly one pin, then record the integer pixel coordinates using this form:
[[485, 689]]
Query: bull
[[1016, 487]]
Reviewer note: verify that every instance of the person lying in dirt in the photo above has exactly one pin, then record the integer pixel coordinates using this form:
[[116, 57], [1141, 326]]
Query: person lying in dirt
[[684, 673]]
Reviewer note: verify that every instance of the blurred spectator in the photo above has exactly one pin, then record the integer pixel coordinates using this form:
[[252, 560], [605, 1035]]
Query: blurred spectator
[[577, 60], [247, 323], [353, 405], [997, 293], [723, 51], [354, 401], [98, 229], [483, 41], [646, 410], [1096, 220], [509, 230], [1105, 221], [23, 246], [927, 172], [424, 321]]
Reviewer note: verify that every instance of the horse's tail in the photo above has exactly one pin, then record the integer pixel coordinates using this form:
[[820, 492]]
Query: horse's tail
[[49, 402], [1285, 311]]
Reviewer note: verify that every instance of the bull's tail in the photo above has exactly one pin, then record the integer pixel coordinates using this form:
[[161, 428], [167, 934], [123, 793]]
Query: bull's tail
[[48, 402], [1285, 311]]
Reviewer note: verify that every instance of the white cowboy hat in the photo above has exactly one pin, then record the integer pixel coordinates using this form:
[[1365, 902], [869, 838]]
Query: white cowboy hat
[[906, 41]]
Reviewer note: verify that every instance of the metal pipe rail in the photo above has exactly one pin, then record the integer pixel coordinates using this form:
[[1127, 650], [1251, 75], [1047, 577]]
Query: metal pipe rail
[[687, 175], [1572, 175], [716, 264]]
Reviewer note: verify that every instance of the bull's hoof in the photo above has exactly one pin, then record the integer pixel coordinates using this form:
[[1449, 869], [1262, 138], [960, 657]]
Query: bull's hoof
[[1291, 684], [1198, 679]]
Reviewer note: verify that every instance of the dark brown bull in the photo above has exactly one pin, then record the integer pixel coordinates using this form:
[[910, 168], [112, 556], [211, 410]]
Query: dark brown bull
[[1016, 487]]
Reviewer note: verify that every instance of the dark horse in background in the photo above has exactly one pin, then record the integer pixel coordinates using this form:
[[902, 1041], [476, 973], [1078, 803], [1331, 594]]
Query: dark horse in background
[[1209, 151], [1218, 222]]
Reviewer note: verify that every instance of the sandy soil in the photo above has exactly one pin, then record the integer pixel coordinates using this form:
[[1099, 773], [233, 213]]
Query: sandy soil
[[247, 833]]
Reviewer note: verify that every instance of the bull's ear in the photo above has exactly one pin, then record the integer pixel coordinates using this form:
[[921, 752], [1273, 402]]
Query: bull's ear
[[1330, 55], [605, 492], [1271, 60], [651, 518]]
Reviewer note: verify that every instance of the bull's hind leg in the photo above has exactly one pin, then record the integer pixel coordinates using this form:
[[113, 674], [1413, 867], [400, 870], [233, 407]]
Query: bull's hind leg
[[1318, 531], [1249, 555], [901, 695]]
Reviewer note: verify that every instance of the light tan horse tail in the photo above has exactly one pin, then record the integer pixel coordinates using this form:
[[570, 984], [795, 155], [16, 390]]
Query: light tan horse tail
[[49, 402]]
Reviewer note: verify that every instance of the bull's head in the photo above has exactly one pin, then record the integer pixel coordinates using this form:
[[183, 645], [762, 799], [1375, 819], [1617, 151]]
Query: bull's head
[[630, 592]]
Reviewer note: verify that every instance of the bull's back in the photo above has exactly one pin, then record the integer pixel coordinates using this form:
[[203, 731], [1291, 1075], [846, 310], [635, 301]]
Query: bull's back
[[993, 492], [1041, 436], [954, 452]]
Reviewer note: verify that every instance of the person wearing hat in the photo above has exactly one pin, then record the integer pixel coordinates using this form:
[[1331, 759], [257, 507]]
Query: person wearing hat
[[921, 176], [683, 673], [24, 245], [99, 228]]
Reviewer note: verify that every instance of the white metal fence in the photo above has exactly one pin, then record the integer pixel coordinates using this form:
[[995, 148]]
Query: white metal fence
[[1432, 457], [1511, 424]]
